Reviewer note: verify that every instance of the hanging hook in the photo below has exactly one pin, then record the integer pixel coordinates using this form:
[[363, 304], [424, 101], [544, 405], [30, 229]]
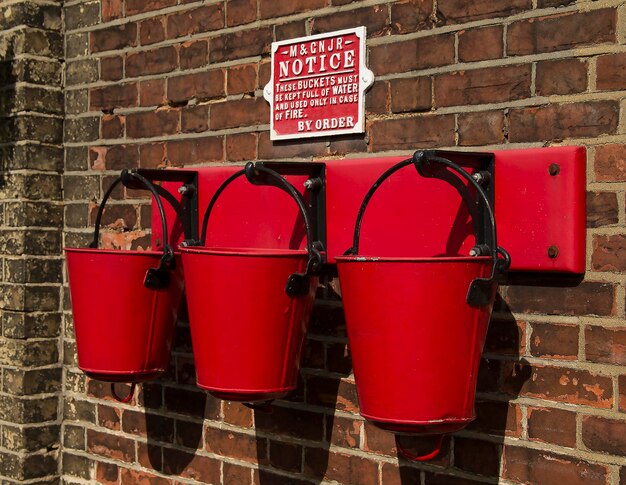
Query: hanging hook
[[128, 397]]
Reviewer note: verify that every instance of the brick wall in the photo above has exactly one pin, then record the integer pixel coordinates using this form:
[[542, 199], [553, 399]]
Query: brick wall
[[154, 83], [31, 221]]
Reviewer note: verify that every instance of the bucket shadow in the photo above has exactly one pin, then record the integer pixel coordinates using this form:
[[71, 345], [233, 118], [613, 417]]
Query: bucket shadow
[[479, 448], [295, 437]]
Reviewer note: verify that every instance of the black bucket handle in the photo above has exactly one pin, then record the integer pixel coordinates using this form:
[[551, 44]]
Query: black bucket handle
[[258, 174], [425, 163], [159, 277]]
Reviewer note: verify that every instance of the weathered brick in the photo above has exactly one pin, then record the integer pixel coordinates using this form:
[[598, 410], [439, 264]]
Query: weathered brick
[[411, 94], [157, 61], [239, 12], [490, 85], [110, 446], [139, 6], [411, 15], [111, 68], [197, 150], [202, 85], [269, 8], [560, 121], [554, 341], [609, 253], [241, 79], [481, 44], [152, 92], [241, 146], [538, 466], [563, 76], [420, 53], [112, 38], [238, 113], [605, 345], [483, 128], [204, 19], [610, 163], [112, 9], [187, 465], [377, 98], [116, 96], [193, 54], [555, 426], [411, 133], [374, 18], [339, 467], [153, 123], [560, 32], [458, 11], [611, 71], [602, 209], [152, 31], [240, 44], [604, 435]]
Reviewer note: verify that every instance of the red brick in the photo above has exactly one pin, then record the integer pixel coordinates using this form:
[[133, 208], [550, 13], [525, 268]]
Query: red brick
[[202, 19], [562, 76], [490, 85], [411, 133], [152, 123], [604, 435], [285, 456], [239, 12], [107, 473], [237, 474], [330, 392], [377, 99], [554, 341], [157, 61], [271, 8], [459, 11], [344, 432], [193, 54], [239, 113], [194, 151], [622, 393], [560, 32], [392, 474], [605, 345], [609, 253], [290, 30], [112, 9], [477, 456], [116, 96], [195, 118], [110, 445], [224, 442], [152, 155], [537, 466], [142, 478], [241, 44], [112, 38], [555, 426], [602, 209], [292, 422], [410, 55], [411, 15], [611, 71], [442, 479], [374, 18], [118, 157], [112, 126], [111, 68], [139, 423], [238, 414], [483, 128], [378, 441], [188, 465], [152, 92], [288, 149], [610, 163], [241, 147], [109, 417], [481, 44], [342, 468], [560, 121], [241, 79], [560, 384], [202, 85], [138, 6], [151, 31], [411, 94], [497, 418]]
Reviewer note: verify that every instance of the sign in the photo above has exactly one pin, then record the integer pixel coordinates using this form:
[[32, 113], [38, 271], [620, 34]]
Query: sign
[[318, 85]]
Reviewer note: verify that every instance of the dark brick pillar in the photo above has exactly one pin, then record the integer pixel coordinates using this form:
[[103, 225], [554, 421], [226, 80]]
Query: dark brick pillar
[[31, 218]]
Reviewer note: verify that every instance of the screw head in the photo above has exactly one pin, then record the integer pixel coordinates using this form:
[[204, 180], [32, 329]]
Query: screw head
[[554, 169], [553, 252]]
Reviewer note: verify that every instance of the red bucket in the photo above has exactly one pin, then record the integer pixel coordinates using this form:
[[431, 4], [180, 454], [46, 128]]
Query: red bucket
[[249, 308], [124, 305], [417, 326]]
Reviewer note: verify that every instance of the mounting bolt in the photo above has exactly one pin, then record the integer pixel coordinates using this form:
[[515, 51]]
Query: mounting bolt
[[554, 169], [553, 252], [482, 178], [186, 190], [313, 184]]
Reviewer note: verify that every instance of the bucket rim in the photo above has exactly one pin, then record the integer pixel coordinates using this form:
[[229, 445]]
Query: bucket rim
[[123, 252], [244, 252], [412, 259]]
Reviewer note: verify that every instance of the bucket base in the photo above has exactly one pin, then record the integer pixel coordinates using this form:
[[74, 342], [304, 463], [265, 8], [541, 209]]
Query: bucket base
[[246, 395], [420, 427], [128, 377]]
